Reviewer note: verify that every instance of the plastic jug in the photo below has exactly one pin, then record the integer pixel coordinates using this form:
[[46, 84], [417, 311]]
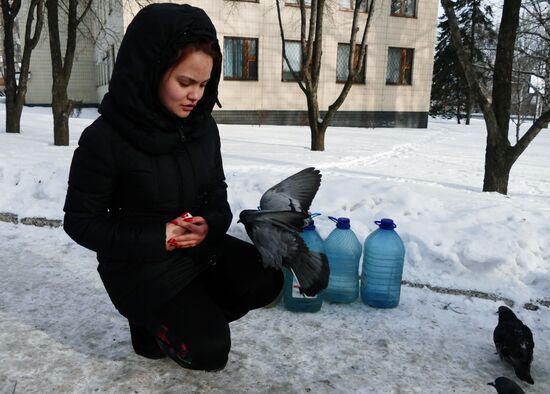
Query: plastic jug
[[343, 251], [293, 300], [382, 270]]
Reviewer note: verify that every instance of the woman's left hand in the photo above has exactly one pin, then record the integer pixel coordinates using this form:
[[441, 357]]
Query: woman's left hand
[[195, 232]]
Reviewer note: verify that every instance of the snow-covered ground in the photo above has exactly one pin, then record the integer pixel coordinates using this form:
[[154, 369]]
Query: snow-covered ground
[[59, 332]]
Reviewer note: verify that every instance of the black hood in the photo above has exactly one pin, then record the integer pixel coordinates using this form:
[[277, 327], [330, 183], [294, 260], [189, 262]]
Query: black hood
[[148, 48]]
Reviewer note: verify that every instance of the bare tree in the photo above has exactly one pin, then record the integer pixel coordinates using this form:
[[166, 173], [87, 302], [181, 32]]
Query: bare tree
[[311, 44], [534, 44], [521, 91], [16, 88], [500, 155], [62, 65]]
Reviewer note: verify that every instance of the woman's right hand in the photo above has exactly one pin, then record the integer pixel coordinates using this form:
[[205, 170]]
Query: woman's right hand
[[173, 230]]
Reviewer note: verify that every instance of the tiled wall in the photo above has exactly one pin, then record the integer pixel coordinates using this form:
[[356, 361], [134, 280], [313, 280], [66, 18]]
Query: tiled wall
[[82, 84], [245, 19], [269, 93]]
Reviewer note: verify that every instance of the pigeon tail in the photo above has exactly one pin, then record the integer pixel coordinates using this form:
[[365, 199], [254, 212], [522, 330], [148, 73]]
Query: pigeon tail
[[312, 272], [523, 373]]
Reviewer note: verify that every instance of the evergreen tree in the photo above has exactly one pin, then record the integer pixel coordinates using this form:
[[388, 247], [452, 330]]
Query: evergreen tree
[[450, 94], [448, 87]]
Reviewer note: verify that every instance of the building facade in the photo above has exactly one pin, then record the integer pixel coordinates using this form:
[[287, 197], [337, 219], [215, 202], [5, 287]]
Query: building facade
[[257, 86], [82, 85]]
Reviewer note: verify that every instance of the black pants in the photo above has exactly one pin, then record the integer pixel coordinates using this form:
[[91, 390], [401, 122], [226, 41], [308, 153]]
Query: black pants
[[193, 327]]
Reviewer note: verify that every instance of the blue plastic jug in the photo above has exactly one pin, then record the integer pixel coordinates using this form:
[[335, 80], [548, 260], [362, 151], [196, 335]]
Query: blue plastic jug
[[293, 300], [383, 258], [343, 251]]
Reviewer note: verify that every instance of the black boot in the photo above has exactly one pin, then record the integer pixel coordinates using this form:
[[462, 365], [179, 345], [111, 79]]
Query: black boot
[[145, 343]]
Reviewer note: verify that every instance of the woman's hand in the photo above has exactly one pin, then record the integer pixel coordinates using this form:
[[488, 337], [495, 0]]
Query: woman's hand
[[187, 233]]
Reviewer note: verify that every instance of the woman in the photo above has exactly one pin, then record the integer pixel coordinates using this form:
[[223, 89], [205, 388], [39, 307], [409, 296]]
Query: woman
[[152, 155]]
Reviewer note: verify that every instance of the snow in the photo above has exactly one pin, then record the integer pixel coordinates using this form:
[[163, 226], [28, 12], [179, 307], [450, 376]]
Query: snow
[[59, 332]]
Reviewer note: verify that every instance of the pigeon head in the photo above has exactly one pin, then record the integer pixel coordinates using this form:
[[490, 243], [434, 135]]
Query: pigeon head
[[506, 314], [246, 216]]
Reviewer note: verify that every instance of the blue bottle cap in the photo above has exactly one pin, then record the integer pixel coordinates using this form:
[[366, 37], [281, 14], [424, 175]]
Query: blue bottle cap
[[341, 223], [310, 226], [386, 224]]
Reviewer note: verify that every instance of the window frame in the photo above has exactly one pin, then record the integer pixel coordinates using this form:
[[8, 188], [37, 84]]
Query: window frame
[[301, 71], [402, 68], [401, 13], [352, 6], [296, 3], [246, 59], [363, 75]]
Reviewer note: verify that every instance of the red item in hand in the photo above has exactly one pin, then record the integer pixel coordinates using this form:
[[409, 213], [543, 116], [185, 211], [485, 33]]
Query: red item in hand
[[187, 217]]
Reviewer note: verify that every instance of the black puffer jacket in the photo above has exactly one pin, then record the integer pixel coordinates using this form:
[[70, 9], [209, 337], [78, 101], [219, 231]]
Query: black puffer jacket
[[137, 167]]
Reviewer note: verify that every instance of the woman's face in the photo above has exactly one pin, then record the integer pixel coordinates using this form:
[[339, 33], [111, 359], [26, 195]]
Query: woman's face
[[183, 85]]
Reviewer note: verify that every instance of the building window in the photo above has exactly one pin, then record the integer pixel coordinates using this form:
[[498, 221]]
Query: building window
[[350, 5], [342, 63], [240, 58], [293, 50], [400, 61], [403, 8], [297, 2]]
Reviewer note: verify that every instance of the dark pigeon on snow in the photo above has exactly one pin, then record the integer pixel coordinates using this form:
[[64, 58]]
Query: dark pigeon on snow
[[506, 386], [514, 343], [275, 230]]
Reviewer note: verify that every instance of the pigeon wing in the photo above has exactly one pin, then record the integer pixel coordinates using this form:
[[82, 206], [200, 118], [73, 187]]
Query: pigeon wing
[[270, 232], [295, 193], [280, 244], [514, 344], [310, 268]]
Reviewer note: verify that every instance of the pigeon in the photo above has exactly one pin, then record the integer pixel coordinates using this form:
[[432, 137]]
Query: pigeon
[[275, 229], [506, 386], [514, 343]]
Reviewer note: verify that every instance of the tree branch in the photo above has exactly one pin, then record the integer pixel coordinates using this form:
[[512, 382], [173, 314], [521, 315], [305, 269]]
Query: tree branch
[[285, 58], [533, 131]]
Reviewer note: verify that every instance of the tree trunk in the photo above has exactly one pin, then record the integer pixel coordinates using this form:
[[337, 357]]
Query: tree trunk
[[497, 169], [13, 117], [12, 120], [317, 132], [60, 110], [468, 107], [318, 139]]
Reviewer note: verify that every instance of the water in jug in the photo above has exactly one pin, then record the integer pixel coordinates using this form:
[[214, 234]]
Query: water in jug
[[382, 269], [343, 251], [293, 299]]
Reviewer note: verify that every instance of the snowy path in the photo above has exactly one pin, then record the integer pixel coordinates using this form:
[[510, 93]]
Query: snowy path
[[59, 333]]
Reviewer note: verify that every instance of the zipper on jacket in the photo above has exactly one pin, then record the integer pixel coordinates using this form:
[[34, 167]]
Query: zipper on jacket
[[181, 132]]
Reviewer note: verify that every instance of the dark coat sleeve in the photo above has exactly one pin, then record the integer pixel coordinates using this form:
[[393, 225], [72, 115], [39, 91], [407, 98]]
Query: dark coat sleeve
[[92, 182], [215, 208]]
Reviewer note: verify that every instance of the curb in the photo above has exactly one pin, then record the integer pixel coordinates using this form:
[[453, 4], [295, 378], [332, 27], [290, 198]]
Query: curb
[[30, 221], [532, 306], [477, 294]]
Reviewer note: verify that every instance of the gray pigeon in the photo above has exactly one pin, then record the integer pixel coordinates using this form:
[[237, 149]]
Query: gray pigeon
[[506, 386], [514, 343], [275, 228]]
